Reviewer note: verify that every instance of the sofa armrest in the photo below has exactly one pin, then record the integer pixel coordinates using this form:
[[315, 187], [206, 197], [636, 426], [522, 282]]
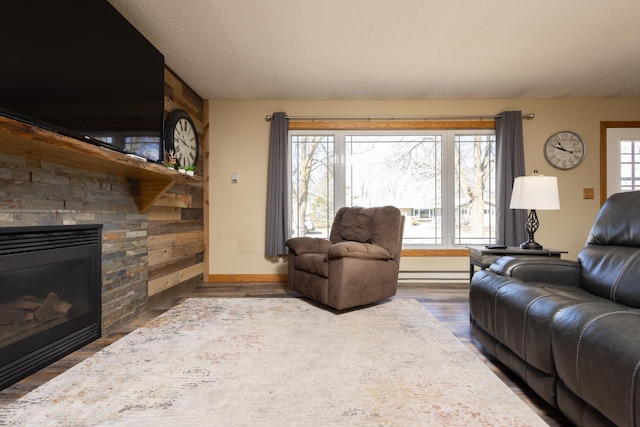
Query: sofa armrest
[[538, 269], [358, 250], [308, 245]]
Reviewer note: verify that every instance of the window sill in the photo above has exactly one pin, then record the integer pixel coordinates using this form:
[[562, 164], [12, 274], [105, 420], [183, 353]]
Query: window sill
[[423, 252]]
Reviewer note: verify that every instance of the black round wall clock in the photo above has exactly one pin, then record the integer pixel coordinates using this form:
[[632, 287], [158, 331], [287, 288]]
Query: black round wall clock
[[181, 137]]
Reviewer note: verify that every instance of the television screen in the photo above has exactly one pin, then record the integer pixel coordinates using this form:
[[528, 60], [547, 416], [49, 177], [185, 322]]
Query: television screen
[[80, 68]]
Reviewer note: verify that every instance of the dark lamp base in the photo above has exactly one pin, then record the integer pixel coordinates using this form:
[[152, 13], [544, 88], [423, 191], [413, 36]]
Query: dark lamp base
[[531, 244]]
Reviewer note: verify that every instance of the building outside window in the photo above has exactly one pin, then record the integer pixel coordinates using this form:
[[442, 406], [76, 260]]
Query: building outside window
[[442, 181]]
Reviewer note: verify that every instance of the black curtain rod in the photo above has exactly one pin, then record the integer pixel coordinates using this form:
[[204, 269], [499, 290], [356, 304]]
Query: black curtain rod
[[268, 118]]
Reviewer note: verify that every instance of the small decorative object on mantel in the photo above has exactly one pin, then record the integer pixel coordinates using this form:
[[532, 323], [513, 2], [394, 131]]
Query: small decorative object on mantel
[[170, 159], [564, 150], [191, 170]]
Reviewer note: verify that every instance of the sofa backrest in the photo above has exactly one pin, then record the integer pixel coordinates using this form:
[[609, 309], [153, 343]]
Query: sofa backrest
[[382, 226], [610, 259]]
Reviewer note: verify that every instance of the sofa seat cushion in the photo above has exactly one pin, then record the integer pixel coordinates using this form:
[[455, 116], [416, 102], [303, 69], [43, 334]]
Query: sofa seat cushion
[[519, 315], [358, 250], [482, 298], [312, 263], [524, 315], [596, 349]]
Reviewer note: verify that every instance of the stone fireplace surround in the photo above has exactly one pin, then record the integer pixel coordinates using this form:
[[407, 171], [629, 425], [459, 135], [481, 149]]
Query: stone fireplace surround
[[37, 192], [40, 193]]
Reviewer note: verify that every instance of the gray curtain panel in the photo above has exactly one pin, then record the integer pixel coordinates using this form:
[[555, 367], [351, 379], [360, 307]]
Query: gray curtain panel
[[509, 165], [277, 200]]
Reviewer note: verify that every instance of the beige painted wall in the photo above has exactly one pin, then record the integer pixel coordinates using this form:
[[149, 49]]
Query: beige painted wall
[[239, 138]]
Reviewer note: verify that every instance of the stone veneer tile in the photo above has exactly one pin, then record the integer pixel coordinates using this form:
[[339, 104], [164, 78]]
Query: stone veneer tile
[[35, 193], [6, 174]]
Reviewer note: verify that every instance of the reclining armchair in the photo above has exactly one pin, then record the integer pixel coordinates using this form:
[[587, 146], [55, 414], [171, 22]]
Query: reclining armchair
[[357, 265]]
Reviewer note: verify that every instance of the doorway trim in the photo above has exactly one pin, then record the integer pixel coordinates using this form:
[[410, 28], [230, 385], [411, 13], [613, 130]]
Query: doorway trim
[[603, 151]]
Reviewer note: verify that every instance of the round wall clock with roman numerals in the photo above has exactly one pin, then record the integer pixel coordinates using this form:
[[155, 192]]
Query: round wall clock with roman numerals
[[180, 136], [564, 150]]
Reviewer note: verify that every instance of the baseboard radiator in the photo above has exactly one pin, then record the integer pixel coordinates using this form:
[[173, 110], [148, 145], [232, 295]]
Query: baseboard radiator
[[433, 276]]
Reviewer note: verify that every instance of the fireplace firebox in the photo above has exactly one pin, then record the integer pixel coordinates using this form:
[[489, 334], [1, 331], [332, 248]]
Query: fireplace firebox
[[50, 301]]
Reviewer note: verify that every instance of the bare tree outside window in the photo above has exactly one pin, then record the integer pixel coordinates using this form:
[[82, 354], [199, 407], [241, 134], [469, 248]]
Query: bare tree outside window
[[399, 170], [475, 189], [312, 181]]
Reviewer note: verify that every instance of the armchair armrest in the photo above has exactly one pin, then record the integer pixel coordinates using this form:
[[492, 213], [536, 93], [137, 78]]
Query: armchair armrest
[[358, 250], [538, 269], [305, 245]]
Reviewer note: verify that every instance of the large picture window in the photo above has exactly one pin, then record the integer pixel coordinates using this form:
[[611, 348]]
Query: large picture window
[[442, 181]]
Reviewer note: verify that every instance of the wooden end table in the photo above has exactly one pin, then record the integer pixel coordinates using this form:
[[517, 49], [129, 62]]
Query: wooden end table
[[482, 257]]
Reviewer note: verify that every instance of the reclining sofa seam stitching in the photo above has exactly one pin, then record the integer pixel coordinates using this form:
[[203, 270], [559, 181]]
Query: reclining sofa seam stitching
[[582, 332], [631, 398], [586, 325], [616, 282], [524, 325], [495, 302]]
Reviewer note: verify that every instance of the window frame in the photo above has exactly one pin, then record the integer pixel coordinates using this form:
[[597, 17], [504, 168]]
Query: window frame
[[341, 129]]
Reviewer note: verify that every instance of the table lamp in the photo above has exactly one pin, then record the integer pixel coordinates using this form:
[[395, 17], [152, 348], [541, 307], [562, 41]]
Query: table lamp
[[537, 192]]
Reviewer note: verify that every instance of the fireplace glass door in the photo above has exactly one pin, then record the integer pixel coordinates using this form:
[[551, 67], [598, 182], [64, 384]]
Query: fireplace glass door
[[50, 280]]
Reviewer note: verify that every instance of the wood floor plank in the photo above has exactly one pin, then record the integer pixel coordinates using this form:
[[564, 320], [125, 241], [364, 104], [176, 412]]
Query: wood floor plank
[[448, 302]]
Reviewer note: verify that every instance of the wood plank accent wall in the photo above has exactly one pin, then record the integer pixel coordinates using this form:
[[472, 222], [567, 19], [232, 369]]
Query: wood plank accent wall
[[144, 251], [176, 221]]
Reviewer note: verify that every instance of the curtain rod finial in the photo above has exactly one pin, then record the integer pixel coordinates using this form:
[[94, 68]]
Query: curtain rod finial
[[529, 116], [268, 118]]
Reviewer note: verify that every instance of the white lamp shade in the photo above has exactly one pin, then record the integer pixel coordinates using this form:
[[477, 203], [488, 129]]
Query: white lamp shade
[[535, 192]]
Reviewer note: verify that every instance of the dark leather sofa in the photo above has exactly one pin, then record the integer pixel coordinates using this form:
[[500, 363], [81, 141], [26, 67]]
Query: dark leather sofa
[[571, 329]]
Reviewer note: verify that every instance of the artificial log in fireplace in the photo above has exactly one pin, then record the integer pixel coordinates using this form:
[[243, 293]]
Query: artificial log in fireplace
[[50, 305]]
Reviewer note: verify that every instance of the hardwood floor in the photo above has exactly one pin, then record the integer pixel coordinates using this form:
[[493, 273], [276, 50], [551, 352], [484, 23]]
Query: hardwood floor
[[447, 302]]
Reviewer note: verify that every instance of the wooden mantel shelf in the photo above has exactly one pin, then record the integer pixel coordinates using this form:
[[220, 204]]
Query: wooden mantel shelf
[[153, 180]]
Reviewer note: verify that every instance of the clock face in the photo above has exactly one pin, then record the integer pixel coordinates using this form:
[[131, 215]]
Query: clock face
[[185, 142], [181, 138], [564, 150]]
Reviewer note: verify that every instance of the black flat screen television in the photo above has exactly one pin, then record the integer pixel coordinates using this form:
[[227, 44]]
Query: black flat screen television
[[80, 68]]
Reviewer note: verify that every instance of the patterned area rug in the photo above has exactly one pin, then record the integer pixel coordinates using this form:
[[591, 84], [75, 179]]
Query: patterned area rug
[[278, 362]]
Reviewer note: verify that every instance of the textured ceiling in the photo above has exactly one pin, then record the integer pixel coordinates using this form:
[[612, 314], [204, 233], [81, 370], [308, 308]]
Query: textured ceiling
[[396, 49]]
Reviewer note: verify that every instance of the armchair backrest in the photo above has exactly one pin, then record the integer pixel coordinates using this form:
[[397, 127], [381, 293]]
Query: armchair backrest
[[382, 226], [610, 259]]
